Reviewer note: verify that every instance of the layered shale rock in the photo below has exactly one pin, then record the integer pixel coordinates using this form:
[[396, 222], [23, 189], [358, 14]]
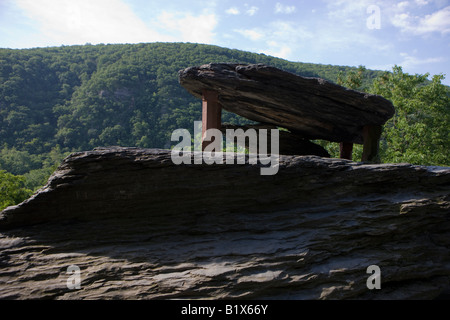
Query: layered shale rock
[[140, 227]]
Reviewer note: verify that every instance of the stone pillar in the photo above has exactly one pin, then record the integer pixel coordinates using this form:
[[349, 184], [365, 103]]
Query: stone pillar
[[346, 150], [371, 136], [211, 113]]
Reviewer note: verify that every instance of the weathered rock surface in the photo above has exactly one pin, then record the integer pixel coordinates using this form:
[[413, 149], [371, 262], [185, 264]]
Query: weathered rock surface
[[311, 107], [140, 227]]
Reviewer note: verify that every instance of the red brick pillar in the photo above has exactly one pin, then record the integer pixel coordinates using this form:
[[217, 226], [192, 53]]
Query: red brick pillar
[[211, 113], [371, 136], [346, 150]]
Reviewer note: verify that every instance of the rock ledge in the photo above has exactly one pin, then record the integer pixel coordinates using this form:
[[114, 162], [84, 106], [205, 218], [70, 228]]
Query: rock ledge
[[140, 227]]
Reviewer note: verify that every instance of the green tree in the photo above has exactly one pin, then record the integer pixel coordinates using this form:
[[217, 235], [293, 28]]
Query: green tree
[[353, 79], [12, 189], [18, 162], [418, 133]]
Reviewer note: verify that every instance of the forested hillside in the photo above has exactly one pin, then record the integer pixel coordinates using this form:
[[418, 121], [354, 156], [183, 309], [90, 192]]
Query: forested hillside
[[80, 97], [63, 99], [54, 101]]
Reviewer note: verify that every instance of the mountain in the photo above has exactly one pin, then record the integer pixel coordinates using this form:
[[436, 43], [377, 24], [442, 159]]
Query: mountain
[[81, 97]]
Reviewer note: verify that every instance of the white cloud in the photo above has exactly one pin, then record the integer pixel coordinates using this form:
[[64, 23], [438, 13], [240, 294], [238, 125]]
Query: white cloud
[[81, 21], [406, 15], [280, 31], [349, 14], [438, 21], [347, 8], [422, 2], [190, 28], [409, 62], [289, 31], [233, 11], [280, 8], [252, 34], [278, 38], [252, 10], [113, 21], [276, 49], [402, 21], [402, 5]]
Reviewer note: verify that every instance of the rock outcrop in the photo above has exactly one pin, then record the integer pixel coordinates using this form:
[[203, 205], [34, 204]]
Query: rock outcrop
[[312, 108], [140, 227]]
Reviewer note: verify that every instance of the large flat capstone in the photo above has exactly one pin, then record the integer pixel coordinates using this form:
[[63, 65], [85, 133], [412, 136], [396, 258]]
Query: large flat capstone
[[311, 107]]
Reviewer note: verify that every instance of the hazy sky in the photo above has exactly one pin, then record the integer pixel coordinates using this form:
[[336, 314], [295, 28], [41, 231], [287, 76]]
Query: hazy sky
[[375, 33]]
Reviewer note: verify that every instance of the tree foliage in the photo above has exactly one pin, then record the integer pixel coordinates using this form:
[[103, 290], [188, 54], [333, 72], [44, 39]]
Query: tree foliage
[[81, 97], [419, 131], [12, 189]]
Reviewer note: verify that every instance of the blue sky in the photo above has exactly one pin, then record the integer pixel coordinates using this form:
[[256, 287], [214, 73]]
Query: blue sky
[[378, 34]]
